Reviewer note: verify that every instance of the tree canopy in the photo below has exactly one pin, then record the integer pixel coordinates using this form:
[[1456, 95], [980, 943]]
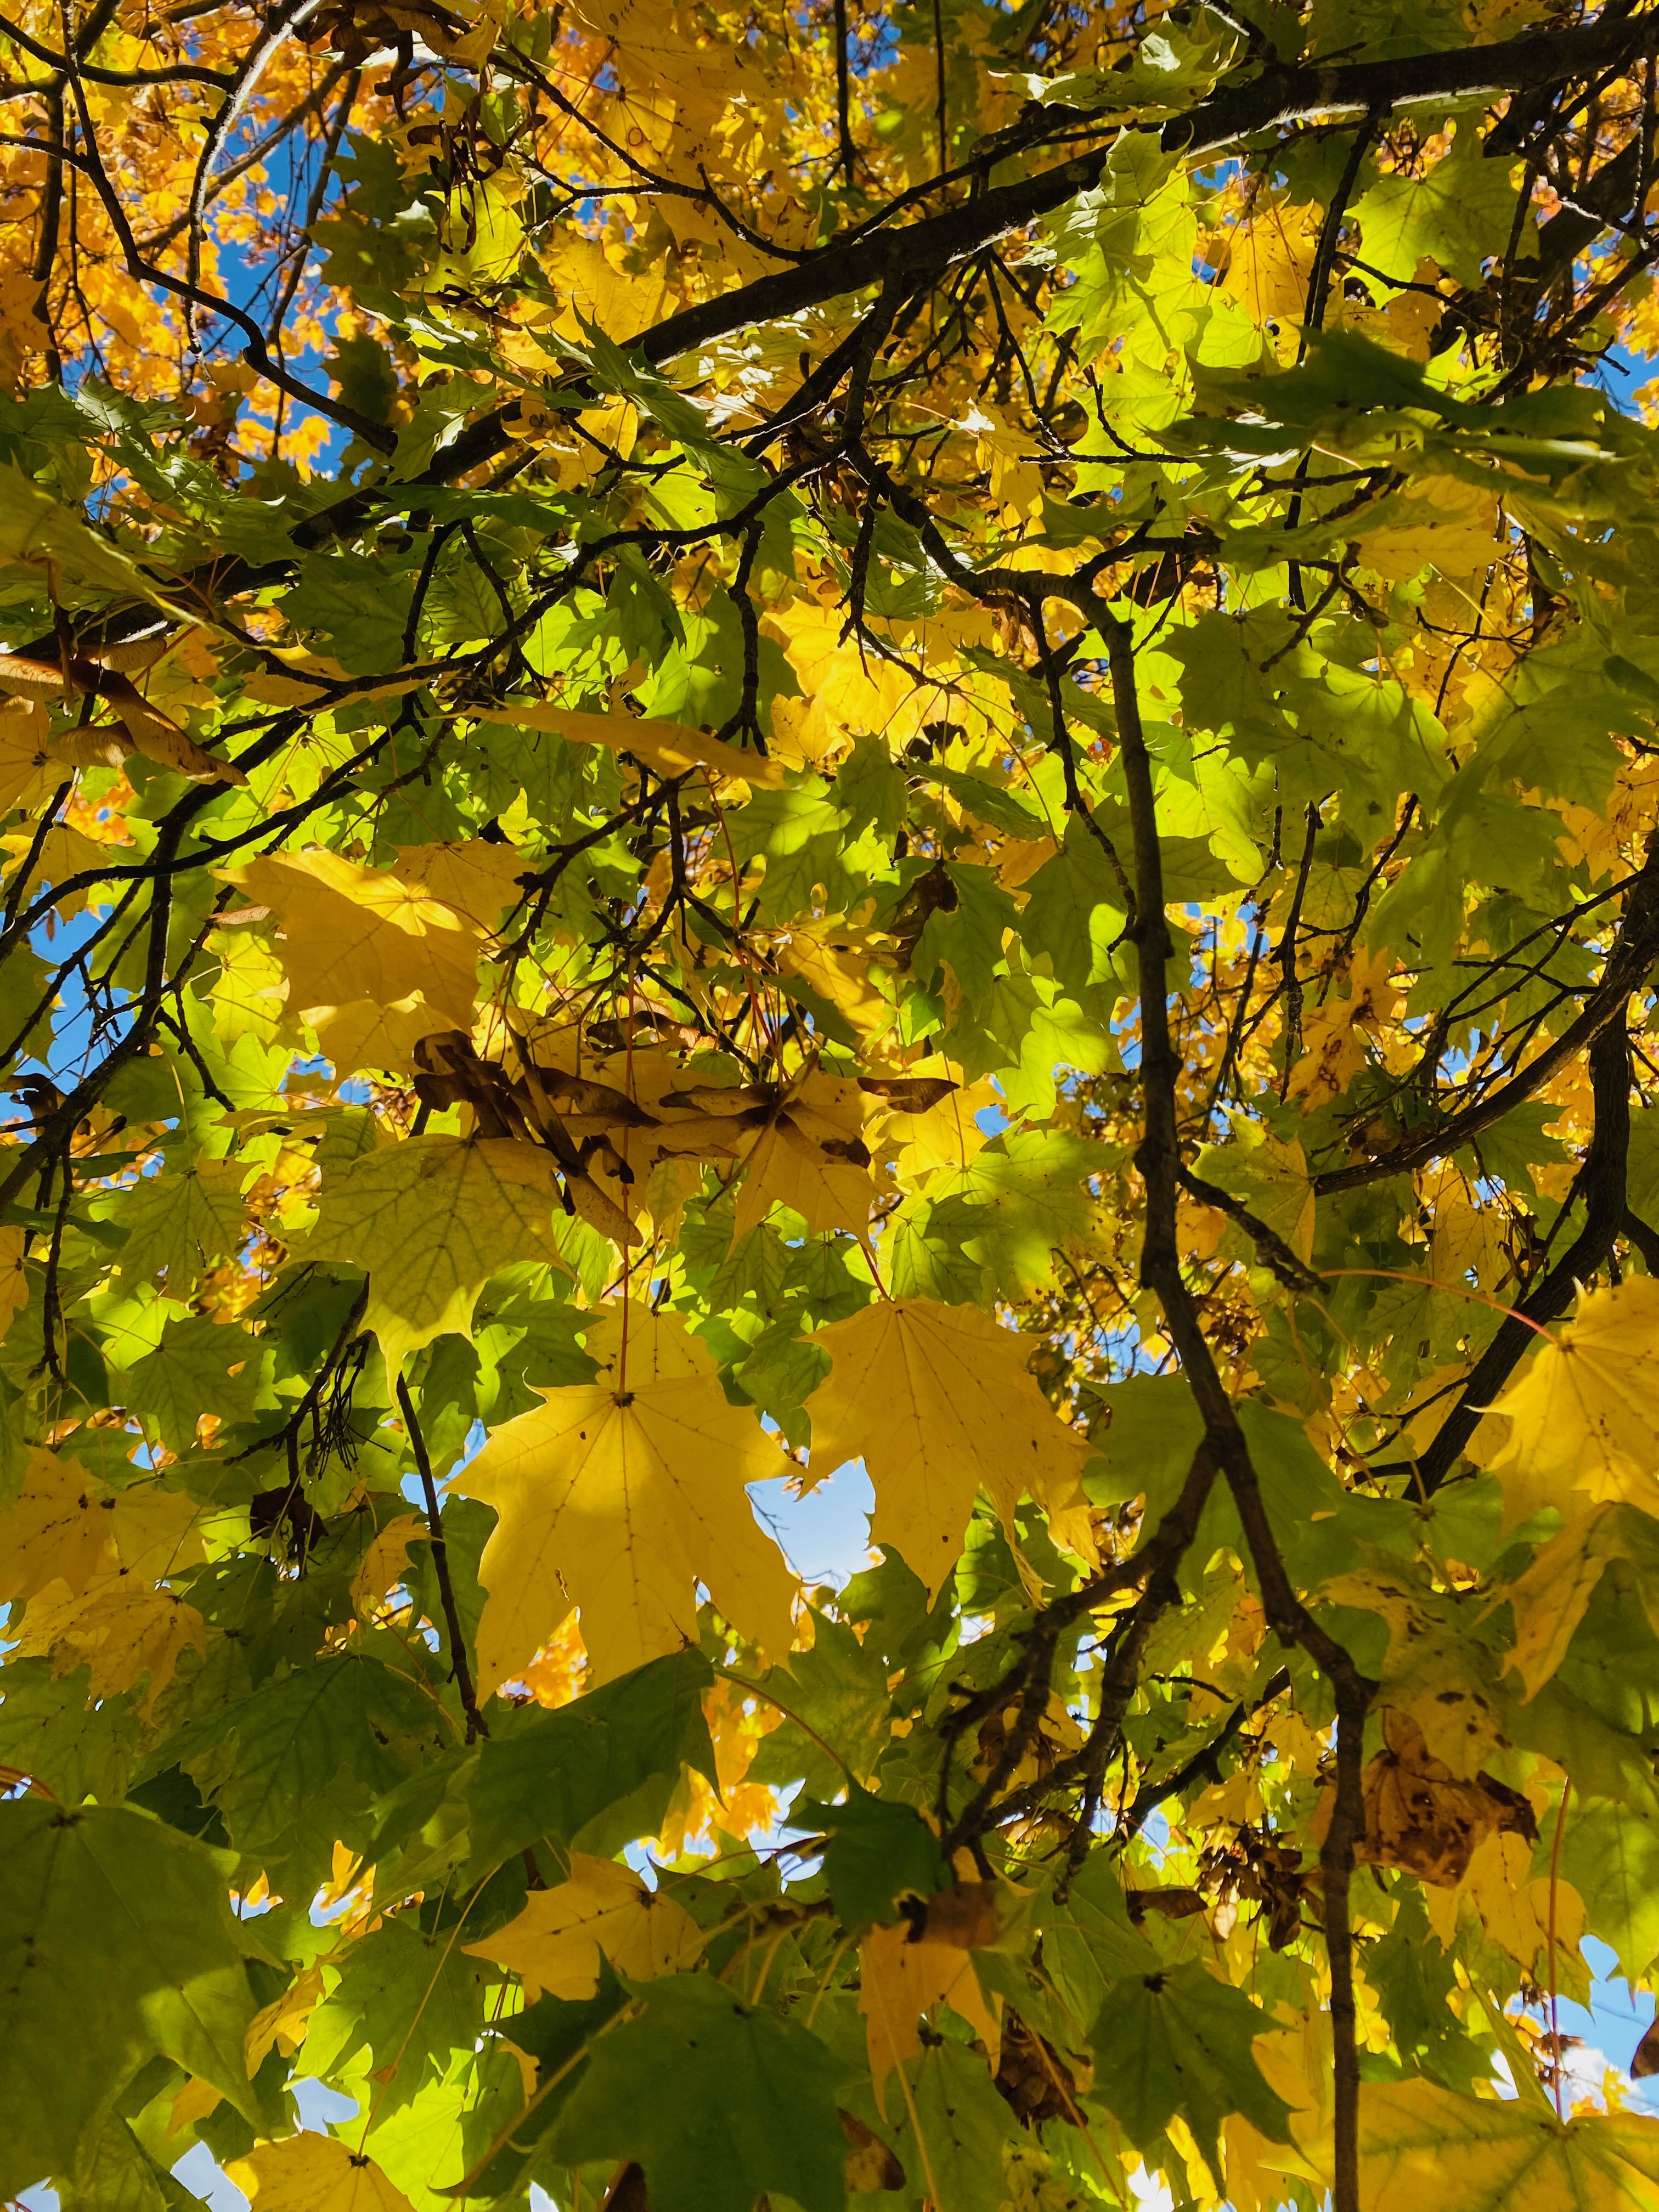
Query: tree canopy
[[740, 741]]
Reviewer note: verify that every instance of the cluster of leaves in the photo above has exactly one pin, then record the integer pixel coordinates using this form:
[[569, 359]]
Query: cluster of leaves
[[739, 743]]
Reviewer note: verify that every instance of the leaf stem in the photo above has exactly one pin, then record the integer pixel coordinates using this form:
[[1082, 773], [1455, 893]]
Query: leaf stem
[[1555, 1880]]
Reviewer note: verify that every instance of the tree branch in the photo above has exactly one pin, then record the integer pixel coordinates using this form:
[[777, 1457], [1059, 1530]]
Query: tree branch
[[476, 1723]]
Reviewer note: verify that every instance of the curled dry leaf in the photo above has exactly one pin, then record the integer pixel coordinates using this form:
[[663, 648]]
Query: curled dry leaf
[[1421, 1817]]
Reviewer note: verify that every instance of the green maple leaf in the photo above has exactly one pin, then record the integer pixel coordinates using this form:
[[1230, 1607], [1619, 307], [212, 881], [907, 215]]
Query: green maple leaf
[[182, 1222], [1089, 1944], [952, 2154], [879, 1853], [430, 1220], [296, 1766], [1178, 2041], [1451, 215], [409, 1997], [188, 1374], [116, 1943], [967, 937], [78, 1748], [1074, 910], [740, 2102], [595, 1774], [839, 1689]]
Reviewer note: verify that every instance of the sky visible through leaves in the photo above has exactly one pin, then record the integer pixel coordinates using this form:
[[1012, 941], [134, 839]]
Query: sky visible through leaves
[[829, 1231]]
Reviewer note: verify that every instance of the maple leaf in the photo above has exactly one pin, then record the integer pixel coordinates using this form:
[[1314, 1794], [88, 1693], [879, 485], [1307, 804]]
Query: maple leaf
[[310, 2172], [164, 1975], [1180, 2041], [281, 2023], [901, 1976], [1333, 1034], [474, 880], [484, 765], [810, 1156], [181, 1223], [939, 1403], [137, 727], [669, 747], [1435, 1673], [1550, 1598], [121, 1632], [1523, 1915], [1421, 1816], [429, 1221], [1483, 2153], [351, 933], [385, 1560], [56, 1528], [600, 1909], [618, 1496], [68, 1526], [1584, 1415], [25, 772], [741, 2103]]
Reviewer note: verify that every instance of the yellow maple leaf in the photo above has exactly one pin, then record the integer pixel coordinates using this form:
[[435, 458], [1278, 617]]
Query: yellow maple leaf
[[368, 1034], [1552, 1597], [1270, 1176], [27, 775], [310, 2173], [281, 2023], [54, 1531], [67, 1526], [475, 880], [595, 290], [601, 1908], [669, 747], [14, 1279], [835, 960], [1466, 1239], [1432, 1670], [61, 853], [1583, 1414], [1332, 1031], [193, 2102], [810, 1156], [350, 933], [844, 688], [899, 1979], [1297, 2062], [384, 1562], [1419, 2144], [945, 1135], [672, 93], [939, 1403], [1443, 524], [117, 1629], [138, 727], [621, 1496], [430, 1220], [1515, 1912]]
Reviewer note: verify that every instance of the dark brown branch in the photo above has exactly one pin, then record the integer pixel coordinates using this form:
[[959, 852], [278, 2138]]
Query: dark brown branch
[[1635, 946], [1158, 1158], [914, 255], [1606, 1211], [460, 1671], [1271, 1249], [1204, 1765], [847, 152]]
